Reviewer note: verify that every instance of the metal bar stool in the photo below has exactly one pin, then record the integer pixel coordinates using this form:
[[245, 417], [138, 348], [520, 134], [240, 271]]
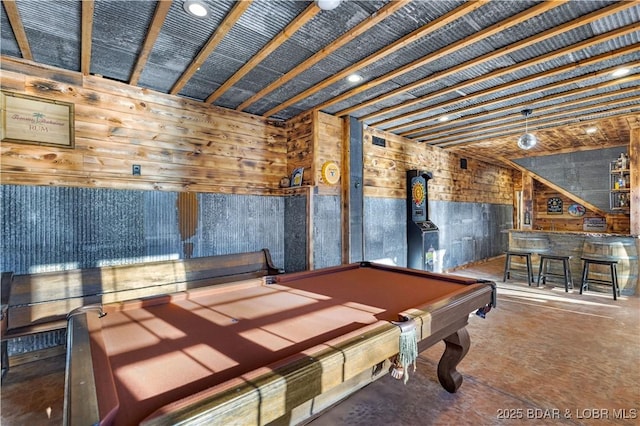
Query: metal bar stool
[[507, 264], [614, 274], [543, 271]]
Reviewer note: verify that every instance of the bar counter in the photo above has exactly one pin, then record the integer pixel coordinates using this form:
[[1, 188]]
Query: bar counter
[[622, 247]]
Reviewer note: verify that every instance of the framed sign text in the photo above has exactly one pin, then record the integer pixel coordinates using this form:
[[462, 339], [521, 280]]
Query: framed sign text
[[31, 120]]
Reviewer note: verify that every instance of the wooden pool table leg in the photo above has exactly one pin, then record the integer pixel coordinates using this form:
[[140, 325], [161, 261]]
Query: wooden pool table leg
[[457, 346]]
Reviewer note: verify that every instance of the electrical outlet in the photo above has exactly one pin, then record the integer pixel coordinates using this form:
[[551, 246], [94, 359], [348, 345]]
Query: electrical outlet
[[136, 169]]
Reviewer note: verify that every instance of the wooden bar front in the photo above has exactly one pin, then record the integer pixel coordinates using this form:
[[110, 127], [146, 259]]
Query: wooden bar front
[[623, 248]]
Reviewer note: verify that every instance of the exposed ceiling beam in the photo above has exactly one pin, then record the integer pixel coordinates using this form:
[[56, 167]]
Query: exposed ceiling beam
[[218, 35], [17, 28], [462, 125], [453, 47], [431, 27], [544, 122], [380, 15], [538, 60], [87, 31], [309, 13], [511, 85], [584, 20], [160, 14], [584, 87]]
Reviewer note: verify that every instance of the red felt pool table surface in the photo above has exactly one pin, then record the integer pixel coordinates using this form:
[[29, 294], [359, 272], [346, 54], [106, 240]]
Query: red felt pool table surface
[[163, 351]]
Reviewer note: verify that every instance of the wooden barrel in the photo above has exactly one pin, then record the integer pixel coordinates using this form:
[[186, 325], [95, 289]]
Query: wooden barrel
[[622, 249], [531, 242]]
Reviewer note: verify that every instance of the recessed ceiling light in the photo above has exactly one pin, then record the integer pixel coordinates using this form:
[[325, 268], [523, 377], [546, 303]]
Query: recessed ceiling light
[[328, 4], [620, 72], [354, 78], [590, 130], [444, 118], [195, 8]]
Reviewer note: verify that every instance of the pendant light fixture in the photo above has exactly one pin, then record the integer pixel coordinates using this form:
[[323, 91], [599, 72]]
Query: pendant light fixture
[[528, 140]]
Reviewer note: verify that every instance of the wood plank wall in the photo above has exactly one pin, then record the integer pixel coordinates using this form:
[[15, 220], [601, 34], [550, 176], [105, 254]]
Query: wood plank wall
[[618, 223], [329, 132], [182, 145], [385, 167], [313, 139], [300, 153]]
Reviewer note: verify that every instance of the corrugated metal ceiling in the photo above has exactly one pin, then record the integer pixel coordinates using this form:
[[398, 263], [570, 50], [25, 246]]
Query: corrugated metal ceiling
[[457, 69]]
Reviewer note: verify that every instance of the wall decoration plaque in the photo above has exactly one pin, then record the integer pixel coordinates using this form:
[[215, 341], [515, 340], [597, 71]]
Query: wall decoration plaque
[[296, 176], [594, 224], [330, 172], [554, 205], [31, 120], [577, 210]]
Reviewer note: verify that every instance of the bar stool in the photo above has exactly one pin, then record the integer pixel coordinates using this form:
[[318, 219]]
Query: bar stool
[[600, 261], [543, 271], [507, 264]]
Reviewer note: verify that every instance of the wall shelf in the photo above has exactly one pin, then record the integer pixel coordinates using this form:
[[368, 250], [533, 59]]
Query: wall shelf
[[619, 188]]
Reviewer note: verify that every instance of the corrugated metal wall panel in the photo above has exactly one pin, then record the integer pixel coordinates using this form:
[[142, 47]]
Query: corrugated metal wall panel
[[35, 342], [326, 226], [53, 229]]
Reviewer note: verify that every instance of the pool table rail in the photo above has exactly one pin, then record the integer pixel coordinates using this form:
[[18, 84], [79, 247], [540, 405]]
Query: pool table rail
[[271, 393], [268, 394], [277, 391], [90, 392]]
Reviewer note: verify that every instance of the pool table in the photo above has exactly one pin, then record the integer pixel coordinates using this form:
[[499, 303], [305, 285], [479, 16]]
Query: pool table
[[256, 351]]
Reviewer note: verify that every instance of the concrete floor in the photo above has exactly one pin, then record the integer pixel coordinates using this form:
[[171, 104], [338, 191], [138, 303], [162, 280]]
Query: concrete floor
[[542, 356]]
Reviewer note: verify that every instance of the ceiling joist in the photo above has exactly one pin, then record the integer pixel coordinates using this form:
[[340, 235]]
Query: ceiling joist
[[403, 42], [218, 35], [505, 88], [556, 57], [308, 14], [160, 14], [87, 39], [514, 115], [494, 55], [380, 15], [581, 81], [17, 28], [511, 129]]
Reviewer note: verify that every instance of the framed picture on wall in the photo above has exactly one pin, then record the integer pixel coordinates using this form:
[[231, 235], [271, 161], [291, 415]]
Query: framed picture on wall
[[296, 176], [32, 120], [554, 205]]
